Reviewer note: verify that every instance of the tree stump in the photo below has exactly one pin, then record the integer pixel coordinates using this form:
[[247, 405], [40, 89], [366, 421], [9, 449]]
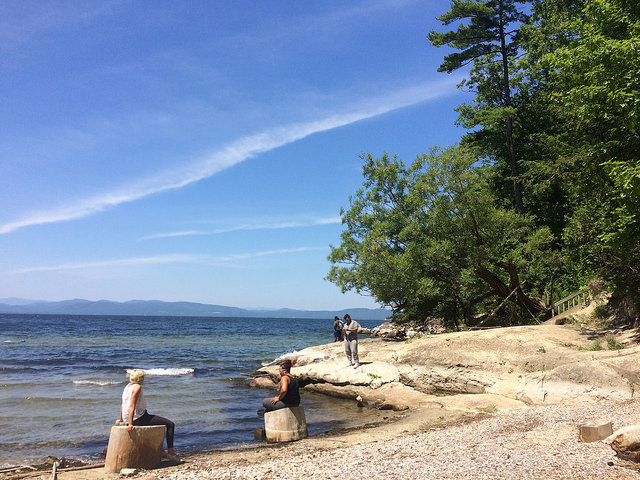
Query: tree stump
[[285, 424], [139, 448]]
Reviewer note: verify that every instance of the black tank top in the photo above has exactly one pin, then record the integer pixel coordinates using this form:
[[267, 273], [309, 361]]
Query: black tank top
[[292, 397]]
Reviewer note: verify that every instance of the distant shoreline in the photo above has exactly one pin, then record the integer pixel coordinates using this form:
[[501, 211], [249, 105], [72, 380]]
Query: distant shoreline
[[157, 308]]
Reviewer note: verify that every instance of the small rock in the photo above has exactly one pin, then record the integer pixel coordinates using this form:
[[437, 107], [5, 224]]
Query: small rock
[[128, 472]]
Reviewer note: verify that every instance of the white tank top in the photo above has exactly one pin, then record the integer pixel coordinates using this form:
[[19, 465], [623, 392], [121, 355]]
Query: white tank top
[[141, 404]]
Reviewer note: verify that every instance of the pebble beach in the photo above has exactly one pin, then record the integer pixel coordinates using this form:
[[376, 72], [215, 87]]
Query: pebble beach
[[528, 443]]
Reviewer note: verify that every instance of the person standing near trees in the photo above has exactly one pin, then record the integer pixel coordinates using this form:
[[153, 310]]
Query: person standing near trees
[[350, 331]]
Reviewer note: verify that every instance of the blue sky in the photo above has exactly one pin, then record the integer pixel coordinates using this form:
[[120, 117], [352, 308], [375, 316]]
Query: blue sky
[[201, 151]]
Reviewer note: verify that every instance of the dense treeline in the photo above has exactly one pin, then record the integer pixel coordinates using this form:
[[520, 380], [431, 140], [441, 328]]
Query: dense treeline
[[541, 195]]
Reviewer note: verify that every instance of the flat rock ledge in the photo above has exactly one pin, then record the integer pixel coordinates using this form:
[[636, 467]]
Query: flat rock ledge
[[472, 372]]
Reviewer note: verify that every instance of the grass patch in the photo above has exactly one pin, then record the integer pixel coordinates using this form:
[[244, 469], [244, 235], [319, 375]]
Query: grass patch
[[596, 347], [491, 409], [613, 344], [601, 312]]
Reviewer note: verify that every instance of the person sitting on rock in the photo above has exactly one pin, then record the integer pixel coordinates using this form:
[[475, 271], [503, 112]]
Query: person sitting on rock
[[289, 395], [133, 411]]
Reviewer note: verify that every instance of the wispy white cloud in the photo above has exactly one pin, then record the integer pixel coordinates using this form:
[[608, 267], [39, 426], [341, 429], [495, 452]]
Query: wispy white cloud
[[248, 227], [166, 259], [234, 153], [120, 262], [246, 256], [29, 19]]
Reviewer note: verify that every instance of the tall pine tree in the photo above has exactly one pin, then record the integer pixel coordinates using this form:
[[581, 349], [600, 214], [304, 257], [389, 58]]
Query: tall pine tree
[[487, 38]]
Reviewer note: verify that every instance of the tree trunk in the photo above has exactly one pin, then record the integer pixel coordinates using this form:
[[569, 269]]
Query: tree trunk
[[517, 192], [532, 305]]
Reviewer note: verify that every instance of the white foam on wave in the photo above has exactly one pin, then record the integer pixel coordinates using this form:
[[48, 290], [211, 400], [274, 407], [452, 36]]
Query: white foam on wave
[[279, 359], [174, 372], [101, 383]]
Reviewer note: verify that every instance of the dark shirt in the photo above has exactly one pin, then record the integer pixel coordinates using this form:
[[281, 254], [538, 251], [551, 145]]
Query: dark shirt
[[292, 397]]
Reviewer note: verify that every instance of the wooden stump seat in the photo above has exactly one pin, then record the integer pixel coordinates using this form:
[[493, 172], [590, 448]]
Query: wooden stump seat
[[285, 424], [139, 448]]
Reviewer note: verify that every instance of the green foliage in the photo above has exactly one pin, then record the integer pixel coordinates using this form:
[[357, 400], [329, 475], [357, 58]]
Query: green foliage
[[596, 93], [601, 312], [613, 344], [416, 237], [487, 38], [482, 36], [555, 121]]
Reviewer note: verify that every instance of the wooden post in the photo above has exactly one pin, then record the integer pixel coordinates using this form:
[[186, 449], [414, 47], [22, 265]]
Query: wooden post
[[138, 448], [285, 424]]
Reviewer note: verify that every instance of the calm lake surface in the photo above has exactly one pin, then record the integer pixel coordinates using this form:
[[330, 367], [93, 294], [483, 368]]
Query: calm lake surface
[[61, 378]]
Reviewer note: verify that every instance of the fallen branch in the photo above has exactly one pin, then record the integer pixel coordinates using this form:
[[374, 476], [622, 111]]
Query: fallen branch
[[13, 469], [500, 306]]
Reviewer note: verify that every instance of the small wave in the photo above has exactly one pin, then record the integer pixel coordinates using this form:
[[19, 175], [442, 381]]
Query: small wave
[[174, 372], [278, 360], [101, 383]]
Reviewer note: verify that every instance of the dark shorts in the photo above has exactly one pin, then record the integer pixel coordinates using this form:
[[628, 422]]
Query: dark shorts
[[337, 334]]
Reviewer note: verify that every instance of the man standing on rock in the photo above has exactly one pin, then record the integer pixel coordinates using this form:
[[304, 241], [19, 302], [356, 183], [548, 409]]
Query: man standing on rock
[[350, 331]]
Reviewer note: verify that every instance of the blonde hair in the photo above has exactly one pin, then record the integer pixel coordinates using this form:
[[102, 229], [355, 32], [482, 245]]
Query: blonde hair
[[137, 376]]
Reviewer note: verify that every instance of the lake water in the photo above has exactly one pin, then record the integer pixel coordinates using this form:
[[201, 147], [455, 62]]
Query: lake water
[[61, 378]]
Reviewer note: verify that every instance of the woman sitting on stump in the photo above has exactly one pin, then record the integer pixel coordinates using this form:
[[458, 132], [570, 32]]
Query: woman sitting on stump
[[133, 411], [289, 395]]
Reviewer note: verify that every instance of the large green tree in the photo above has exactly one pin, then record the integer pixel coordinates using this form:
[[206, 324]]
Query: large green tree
[[594, 66], [429, 241]]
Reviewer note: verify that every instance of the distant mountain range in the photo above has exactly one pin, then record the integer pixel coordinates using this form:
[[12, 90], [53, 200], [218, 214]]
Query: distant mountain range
[[186, 309]]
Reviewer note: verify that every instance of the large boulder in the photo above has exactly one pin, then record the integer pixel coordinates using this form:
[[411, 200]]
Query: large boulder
[[626, 442], [529, 365]]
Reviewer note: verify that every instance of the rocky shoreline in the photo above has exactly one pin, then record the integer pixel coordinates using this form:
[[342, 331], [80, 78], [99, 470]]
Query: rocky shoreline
[[471, 372]]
